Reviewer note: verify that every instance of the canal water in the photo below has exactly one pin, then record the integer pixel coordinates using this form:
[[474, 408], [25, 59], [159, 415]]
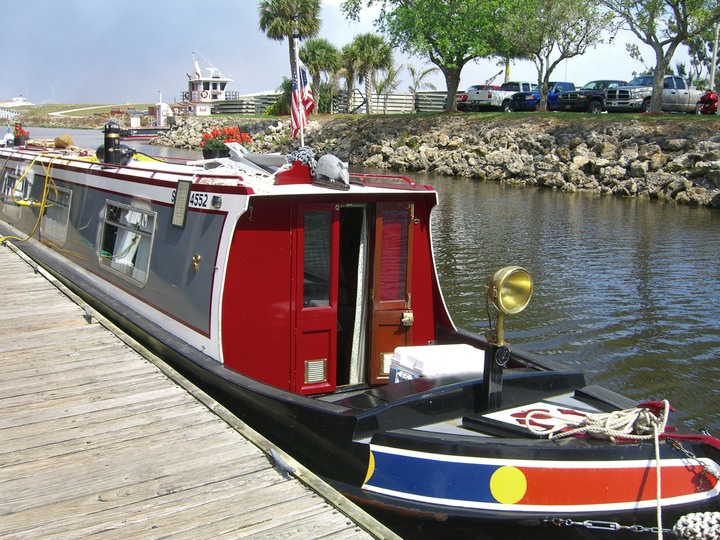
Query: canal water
[[625, 290]]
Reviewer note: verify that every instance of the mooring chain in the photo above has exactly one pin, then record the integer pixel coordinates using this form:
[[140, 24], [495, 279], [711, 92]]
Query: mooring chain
[[698, 525], [637, 424], [304, 155], [707, 468], [695, 526], [607, 526]]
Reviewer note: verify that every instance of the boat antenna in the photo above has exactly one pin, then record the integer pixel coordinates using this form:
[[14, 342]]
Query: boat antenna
[[213, 70]]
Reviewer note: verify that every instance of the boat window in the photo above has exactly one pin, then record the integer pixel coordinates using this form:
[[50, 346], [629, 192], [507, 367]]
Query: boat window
[[127, 241], [14, 188], [54, 224], [393, 257], [316, 259]]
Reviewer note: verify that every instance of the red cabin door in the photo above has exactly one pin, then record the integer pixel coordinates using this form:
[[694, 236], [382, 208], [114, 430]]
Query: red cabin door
[[316, 298], [391, 318]]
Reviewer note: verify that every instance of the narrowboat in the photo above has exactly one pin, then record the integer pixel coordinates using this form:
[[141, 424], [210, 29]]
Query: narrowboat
[[306, 298]]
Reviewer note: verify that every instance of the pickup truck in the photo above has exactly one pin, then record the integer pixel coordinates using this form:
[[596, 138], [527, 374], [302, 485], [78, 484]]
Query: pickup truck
[[589, 98], [677, 96], [464, 105], [481, 98], [528, 101]]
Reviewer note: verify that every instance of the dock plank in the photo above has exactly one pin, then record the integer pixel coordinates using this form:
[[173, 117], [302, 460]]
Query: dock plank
[[95, 440]]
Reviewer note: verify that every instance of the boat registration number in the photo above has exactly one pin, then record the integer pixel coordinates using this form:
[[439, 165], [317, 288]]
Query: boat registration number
[[200, 200]]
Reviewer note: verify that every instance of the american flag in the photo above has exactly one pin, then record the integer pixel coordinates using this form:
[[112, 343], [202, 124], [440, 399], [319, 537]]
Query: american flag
[[302, 102]]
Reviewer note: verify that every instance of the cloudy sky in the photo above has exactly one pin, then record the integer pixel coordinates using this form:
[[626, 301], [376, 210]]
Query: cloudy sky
[[126, 51]]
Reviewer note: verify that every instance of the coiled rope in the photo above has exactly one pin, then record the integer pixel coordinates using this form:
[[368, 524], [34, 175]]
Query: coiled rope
[[636, 424]]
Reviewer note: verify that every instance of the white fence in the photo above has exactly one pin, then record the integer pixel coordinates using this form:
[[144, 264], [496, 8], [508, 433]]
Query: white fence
[[395, 103], [8, 114]]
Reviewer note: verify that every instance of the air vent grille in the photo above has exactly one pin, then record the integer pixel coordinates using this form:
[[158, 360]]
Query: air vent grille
[[316, 371]]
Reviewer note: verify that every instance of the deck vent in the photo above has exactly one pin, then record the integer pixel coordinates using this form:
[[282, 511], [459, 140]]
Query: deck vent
[[386, 362], [316, 371]]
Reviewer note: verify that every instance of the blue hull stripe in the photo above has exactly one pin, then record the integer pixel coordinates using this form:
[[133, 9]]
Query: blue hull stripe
[[444, 480]]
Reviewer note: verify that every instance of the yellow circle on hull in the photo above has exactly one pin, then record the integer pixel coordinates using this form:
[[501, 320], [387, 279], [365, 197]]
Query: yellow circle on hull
[[508, 485]]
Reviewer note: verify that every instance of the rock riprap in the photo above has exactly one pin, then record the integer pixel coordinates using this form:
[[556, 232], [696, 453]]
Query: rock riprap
[[669, 158]]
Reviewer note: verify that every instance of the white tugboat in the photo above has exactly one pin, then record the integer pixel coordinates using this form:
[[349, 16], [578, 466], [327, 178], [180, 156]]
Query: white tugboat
[[205, 90]]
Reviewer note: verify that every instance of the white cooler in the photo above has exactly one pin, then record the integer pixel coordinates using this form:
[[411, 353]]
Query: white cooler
[[423, 361]]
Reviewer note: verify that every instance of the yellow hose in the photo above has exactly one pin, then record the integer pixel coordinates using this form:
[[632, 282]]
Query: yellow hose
[[43, 203]]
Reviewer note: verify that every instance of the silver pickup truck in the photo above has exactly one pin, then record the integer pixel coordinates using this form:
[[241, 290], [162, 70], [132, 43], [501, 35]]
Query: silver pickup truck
[[498, 99], [677, 96]]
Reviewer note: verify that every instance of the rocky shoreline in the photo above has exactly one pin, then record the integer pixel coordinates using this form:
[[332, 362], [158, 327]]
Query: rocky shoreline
[[670, 158]]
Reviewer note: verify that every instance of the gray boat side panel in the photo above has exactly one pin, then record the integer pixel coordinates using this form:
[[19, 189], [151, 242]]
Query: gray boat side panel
[[172, 286]]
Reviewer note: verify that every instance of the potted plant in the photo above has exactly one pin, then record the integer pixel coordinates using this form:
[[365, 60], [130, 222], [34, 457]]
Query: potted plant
[[20, 135], [213, 141]]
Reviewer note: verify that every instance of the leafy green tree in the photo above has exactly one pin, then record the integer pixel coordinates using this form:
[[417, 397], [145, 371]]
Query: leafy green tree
[[282, 105], [664, 25], [701, 49], [281, 19], [549, 32], [320, 56], [372, 53], [448, 33], [417, 80]]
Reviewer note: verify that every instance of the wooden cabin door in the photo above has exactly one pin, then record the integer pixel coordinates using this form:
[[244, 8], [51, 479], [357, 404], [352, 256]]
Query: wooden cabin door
[[316, 298], [391, 318]]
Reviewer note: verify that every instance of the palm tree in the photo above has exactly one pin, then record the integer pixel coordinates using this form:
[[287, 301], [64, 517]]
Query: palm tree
[[372, 53], [350, 68], [417, 78], [387, 83], [320, 56], [281, 19]]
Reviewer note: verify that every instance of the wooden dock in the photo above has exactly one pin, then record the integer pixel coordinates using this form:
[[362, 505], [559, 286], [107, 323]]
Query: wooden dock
[[98, 438]]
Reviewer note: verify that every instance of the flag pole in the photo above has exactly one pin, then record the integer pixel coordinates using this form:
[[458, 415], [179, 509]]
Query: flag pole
[[298, 104]]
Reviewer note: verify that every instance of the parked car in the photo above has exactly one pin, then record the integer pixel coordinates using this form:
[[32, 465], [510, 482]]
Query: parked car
[[709, 102], [677, 96], [590, 98], [460, 99], [529, 101], [474, 90], [493, 97]]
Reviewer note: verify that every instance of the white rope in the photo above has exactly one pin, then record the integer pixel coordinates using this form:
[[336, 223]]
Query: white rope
[[658, 485], [637, 424]]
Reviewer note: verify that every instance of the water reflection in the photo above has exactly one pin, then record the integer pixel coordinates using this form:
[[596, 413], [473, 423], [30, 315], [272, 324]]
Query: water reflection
[[625, 290]]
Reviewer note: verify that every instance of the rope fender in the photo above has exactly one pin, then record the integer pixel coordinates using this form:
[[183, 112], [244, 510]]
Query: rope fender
[[698, 526]]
